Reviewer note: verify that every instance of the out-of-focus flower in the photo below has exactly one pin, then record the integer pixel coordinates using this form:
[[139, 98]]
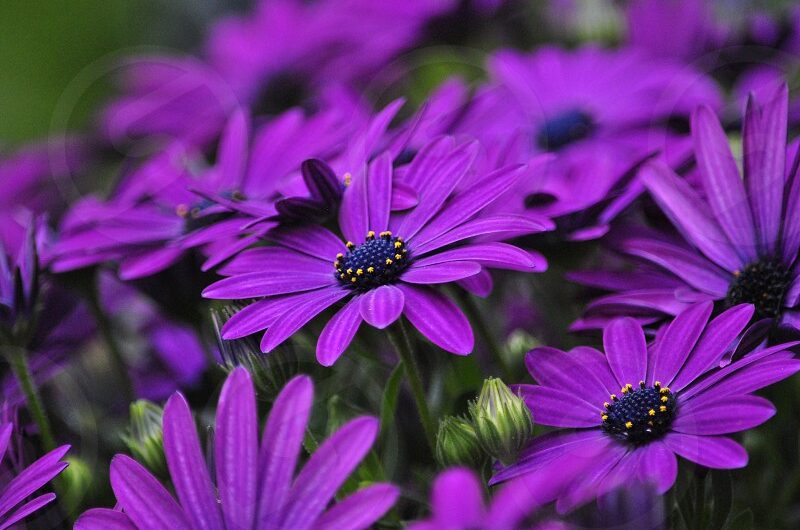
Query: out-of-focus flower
[[307, 53], [15, 491], [145, 436], [255, 487], [630, 411], [503, 423], [389, 261], [457, 444], [740, 240]]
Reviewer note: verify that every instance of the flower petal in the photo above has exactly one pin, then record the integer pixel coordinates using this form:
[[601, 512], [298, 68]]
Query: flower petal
[[716, 452], [626, 350], [560, 408], [360, 510], [440, 272], [677, 343], [711, 415], [438, 318], [339, 332], [382, 306]]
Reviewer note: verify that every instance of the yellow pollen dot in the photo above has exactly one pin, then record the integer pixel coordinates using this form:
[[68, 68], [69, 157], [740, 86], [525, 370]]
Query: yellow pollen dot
[[737, 273], [359, 271], [370, 234], [641, 384], [665, 390], [397, 244], [613, 397], [341, 276], [348, 179], [349, 271], [651, 412], [389, 261], [662, 408], [664, 399], [336, 264], [606, 404], [398, 256], [604, 417], [657, 384], [353, 279], [182, 210], [339, 255], [628, 424], [370, 270], [350, 244]]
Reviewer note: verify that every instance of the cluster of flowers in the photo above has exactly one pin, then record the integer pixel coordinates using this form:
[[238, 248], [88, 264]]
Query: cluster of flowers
[[272, 195]]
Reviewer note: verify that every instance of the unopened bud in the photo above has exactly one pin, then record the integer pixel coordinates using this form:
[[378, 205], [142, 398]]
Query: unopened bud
[[457, 444], [76, 481], [503, 423], [145, 436]]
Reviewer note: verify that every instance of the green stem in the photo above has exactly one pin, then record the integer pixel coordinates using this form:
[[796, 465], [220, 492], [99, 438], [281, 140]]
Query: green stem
[[115, 356], [402, 345], [18, 358], [487, 337]]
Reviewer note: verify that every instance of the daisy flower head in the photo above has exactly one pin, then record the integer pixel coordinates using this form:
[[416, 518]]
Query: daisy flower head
[[632, 410], [255, 484], [385, 263], [738, 234]]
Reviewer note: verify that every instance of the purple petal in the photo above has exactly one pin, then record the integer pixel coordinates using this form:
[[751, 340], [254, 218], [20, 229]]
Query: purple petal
[[261, 314], [755, 377], [506, 225], [236, 449], [626, 350], [32, 478], [403, 197], [232, 150], [104, 519], [440, 272], [711, 415], [382, 306], [557, 369], [688, 213], [723, 185], [360, 510], [321, 181], [187, 466], [326, 471], [26, 509], [716, 452], [560, 408], [148, 263], [615, 466], [280, 448], [677, 343], [457, 499], [479, 284], [317, 242], [717, 339], [493, 255], [380, 192], [146, 502], [791, 228], [354, 211], [438, 319], [339, 332], [764, 150], [258, 284], [658, 465], [296, 317]]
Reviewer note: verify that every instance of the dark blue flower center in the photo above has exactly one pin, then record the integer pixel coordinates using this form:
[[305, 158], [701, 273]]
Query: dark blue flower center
[[378, 261], [763, 284], [641, 414], [563, 129]]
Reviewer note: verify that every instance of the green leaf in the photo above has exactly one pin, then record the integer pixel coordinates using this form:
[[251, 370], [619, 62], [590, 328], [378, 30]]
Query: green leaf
[[390, 395]]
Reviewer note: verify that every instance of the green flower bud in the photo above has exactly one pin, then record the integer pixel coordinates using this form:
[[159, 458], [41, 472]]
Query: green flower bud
[[145, 437], [457, 444], [503, 423], [76, 482]]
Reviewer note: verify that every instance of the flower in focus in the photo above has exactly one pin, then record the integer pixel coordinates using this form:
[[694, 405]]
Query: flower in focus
[[389, 261], [631, 410], [503, 423], [16, 489], [739, 240], [255, 486]]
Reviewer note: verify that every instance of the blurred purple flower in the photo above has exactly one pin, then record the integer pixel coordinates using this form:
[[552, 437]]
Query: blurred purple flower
[[310, 269], [255, 485], [674, 400]]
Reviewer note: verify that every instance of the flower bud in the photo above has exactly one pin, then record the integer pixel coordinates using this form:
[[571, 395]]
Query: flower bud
[[457, 444], [76, 481], [503, 423], [145, 436]]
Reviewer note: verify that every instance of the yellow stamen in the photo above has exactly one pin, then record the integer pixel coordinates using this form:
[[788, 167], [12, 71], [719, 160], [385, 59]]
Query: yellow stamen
[[629, 425]]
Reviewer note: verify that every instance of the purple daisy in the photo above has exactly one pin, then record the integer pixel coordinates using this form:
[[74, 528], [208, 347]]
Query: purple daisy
[[631, 410], [388, 261], [17, 487], [740, 239], [457, 501], [255, 486]]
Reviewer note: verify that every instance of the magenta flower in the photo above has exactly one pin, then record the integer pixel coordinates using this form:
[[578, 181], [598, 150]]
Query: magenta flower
[[739, 239], [632, 410], [13, 493], [255, 486], [457, 502], [390, 260]]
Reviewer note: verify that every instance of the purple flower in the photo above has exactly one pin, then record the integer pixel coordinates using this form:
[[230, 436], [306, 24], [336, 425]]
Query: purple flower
[[740, 239], [307, 54], [602, 112], [390, 260], [255, 486], [631, 410], [14, 491], [457, 502]]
